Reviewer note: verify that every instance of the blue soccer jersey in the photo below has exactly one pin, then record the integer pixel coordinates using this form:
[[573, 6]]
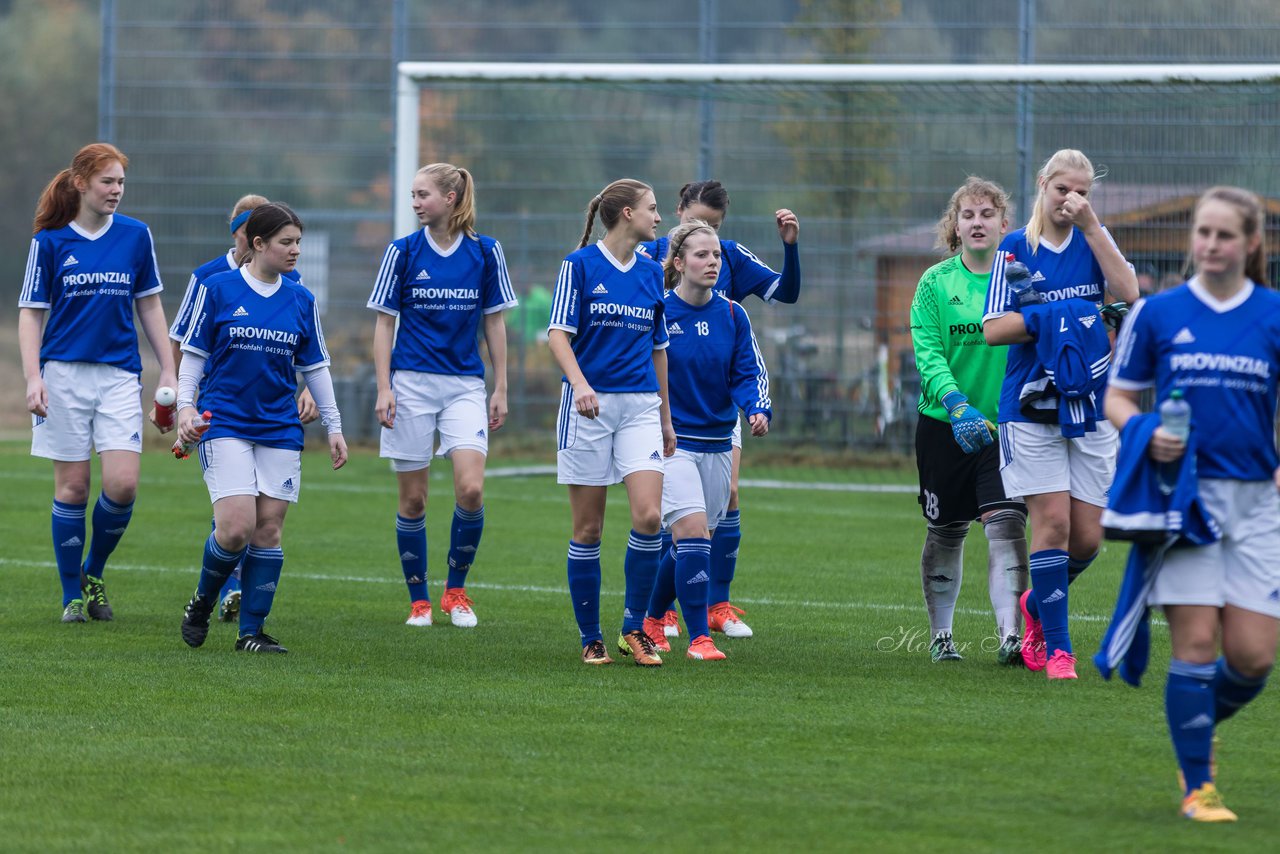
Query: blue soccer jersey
[[614, 313], [741, 273], [714, 368], [221, 264], [256, 337], [1225, 357], [439, 296], [1057, 273], [88, 284]]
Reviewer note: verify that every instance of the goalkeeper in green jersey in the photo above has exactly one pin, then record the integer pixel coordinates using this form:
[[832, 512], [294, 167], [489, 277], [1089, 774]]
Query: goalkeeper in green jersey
[[956, 452]]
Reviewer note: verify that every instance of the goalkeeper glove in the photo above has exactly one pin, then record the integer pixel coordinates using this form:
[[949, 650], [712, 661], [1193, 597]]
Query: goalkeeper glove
[[969, 426]]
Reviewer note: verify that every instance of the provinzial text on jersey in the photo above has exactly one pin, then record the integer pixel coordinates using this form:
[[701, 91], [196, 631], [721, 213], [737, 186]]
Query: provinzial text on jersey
[[1220, 362], [446, 293], [633, 311], [111, 278], [277, 335]]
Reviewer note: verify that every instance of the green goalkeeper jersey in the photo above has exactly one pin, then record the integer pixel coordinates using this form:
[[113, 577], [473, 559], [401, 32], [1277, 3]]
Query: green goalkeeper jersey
[[946, 332]]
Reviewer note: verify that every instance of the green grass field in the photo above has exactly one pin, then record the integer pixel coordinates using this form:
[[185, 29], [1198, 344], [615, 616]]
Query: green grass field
[[825, 731]]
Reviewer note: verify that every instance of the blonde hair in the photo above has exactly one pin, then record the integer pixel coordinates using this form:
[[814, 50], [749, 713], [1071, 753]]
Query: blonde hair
[[1252, 221], [975, 188], [1062, 160], [455, 179], [610, 202], [247, 203], [675, 249]]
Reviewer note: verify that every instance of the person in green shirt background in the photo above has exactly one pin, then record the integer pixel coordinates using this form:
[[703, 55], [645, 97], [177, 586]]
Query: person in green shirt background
[[957, 454]]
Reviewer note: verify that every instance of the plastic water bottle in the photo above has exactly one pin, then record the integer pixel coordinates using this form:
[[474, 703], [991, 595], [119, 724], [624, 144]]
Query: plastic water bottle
[[166, 400], [1175, 419], [1018, 278], [181, 449]]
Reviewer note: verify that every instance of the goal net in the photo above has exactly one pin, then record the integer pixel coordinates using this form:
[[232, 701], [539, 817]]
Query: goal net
[[867, 156]]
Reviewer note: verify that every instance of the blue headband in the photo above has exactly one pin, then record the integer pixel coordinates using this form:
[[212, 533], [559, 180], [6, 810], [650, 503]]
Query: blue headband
[[240, 220]]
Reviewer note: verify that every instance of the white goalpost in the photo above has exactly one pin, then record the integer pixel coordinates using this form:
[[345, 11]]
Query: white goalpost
[[412, 76]]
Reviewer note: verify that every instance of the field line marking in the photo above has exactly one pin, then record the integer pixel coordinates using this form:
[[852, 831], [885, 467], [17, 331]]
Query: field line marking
[[769, 602]]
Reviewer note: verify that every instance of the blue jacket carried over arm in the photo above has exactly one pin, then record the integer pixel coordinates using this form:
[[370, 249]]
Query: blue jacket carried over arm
[[1139, 511], [1072, 345]]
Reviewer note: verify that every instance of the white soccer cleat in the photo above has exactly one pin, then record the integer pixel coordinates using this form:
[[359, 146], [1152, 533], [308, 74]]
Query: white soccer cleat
[[457, 604], [420, 614], [723, 617]]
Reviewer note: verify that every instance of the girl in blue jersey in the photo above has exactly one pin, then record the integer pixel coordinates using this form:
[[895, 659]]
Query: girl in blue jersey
[[714, 369], [1217, 338], [741, 275], [1064, 481], [440, 283], [252, 330], [89, 269], [609, 338], [229, 596]]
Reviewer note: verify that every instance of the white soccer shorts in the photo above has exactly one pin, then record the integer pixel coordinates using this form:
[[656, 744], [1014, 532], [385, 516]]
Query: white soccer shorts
[[695, 482], [1242, 568], [91, 407], [736, 438], [625, 438], [236, 467], [455, 407], [1035, 459]]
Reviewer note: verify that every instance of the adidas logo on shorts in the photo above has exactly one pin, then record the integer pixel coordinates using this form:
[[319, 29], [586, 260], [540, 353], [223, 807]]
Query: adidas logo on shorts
[[655, 456], [700, 578], [1184, 336], [422, 276], [480, 434], [72, 543], [240, 312], [288, 485], [136, 439], [674, 329], [955, 300], [600, 289], [70, 262]]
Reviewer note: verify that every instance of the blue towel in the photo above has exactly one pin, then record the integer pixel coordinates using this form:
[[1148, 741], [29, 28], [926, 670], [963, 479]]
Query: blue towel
[[1073, 347], [1138, 510]]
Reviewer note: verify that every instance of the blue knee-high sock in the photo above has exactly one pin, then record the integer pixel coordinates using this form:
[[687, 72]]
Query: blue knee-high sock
[[1075, 568], [664, 586], [1049, 591], [1232, 691], [1188, 705], [464, 539], [644, 553], [109, 521], [231, 585], [693, 583], [68, 546], [584, 589], [411, 540], [724, 556], [216, 565], [261, 577]]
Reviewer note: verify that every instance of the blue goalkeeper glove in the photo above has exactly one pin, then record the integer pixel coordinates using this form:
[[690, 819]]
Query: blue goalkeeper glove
[[970, 427]]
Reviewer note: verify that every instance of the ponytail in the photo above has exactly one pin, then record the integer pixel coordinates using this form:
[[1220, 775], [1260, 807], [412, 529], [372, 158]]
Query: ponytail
[[610, 202], [1252, 221], [454, 179], [60, 201]]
